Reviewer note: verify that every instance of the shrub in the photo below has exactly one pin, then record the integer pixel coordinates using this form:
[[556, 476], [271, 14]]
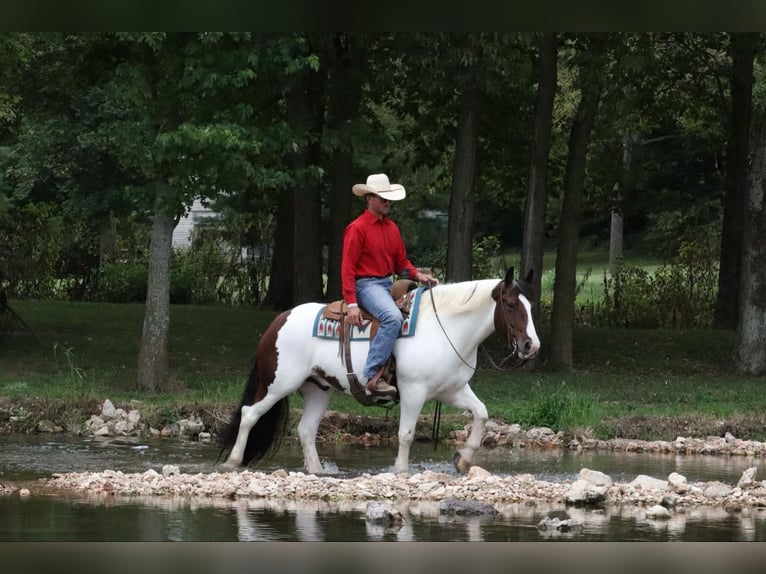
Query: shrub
[[121, 282], [680, 294]]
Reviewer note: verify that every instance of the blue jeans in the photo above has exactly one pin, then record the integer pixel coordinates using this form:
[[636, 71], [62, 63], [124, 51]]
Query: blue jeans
[[375, 296]]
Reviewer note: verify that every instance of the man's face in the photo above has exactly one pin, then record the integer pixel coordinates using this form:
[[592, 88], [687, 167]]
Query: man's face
[[378, 205]]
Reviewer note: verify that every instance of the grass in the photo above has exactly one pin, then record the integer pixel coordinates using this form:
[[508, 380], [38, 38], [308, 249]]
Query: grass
[[627, 383]]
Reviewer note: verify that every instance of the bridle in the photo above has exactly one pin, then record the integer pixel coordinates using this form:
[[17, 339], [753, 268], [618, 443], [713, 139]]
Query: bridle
[[509, 338]]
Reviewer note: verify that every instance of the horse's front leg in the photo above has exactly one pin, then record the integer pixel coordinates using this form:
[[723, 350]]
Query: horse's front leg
[[466, 399], [410, 406], [315, 401]]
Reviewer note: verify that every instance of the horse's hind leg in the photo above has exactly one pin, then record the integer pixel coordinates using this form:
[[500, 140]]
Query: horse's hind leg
[[315, 402], [466, 399], [249, 416]]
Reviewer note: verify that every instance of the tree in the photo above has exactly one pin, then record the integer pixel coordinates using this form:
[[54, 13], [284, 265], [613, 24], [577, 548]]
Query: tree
[[750, 340], [590, 79], [346, 56], [743, 48], [537, 182], [461, 205]]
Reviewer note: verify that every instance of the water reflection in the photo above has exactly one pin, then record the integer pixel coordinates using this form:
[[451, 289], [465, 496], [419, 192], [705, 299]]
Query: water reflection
[[153, 519], [83, 518]]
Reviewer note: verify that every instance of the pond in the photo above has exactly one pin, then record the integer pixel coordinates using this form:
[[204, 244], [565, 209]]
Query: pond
[[46, 516]]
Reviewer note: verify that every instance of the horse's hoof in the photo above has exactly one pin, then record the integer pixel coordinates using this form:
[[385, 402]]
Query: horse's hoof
[[230, 467], [461, 464]]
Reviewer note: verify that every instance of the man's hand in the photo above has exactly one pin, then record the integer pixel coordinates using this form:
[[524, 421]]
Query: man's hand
[[425, 278], [354, 316]]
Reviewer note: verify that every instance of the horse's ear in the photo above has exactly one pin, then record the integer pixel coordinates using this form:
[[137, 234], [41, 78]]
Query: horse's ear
[[508, 276], [530, 276]]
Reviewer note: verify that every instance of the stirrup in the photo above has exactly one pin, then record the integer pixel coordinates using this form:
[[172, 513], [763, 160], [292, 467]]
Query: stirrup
[[378, 385]]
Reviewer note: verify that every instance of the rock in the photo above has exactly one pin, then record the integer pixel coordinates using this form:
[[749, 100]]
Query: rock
[[595, 477], [477, 472], [645, 482], [583, 493], [555, 524], [658, 512], [190, 427], [717, 490], [170, 470], [464, 507], [380, 513], [748, 478], [48, 426], [107, 409], [678, 483]]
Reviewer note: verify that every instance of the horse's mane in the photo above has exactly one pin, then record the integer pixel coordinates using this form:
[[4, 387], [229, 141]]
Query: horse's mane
[[456, 298]]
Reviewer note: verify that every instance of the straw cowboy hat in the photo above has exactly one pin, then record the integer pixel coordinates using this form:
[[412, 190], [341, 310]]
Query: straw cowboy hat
[[378, 184]]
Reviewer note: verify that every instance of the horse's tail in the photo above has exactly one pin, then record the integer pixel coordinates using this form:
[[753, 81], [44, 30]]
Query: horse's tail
[[267, 434]]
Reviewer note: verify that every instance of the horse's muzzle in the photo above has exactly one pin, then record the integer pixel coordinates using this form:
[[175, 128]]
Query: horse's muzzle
[[528, 349]]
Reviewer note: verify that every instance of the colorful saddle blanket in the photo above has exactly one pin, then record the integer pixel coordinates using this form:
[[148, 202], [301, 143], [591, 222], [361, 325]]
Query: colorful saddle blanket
[[325, 328]]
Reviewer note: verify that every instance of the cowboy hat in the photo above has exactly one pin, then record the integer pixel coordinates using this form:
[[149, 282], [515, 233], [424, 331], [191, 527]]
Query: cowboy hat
[[378, 184]]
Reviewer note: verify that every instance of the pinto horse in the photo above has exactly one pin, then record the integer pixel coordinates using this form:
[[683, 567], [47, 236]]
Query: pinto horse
[[435, 363]]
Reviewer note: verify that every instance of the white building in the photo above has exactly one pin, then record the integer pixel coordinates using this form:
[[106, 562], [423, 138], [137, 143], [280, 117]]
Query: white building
[[182, 231]]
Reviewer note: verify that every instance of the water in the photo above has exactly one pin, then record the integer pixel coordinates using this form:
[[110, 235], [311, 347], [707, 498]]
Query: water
[[77, 517]]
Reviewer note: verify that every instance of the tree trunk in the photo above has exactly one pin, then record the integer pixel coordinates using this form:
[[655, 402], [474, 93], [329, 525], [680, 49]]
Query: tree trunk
[[153, 367], [743, 50], [107, 245], [461, 205], [621, 189], [296, 275], [750, 342], [615, 240], [345, 95], [533, 243], [564, 289], [280, 292]]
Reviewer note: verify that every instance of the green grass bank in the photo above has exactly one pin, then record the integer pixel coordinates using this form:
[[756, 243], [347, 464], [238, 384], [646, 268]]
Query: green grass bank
[[627, 383]]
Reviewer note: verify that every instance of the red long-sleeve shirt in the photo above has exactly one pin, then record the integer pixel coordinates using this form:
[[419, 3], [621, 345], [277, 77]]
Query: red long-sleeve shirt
[[372, 247]]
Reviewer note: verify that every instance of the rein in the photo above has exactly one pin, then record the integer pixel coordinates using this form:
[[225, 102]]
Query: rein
[[438, 320], [511, 344]]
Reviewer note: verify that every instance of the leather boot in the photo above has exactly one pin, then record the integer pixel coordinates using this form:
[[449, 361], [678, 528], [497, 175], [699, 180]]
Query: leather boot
[[378, 385]]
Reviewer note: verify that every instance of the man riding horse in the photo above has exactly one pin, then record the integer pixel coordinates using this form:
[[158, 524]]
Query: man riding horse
[[373, 250]]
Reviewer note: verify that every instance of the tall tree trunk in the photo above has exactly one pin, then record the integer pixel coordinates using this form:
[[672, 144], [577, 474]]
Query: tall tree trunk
[[345, 95], [533, 243], [564, 289], [461, 205], [280, 291], [615, 239], [297, 263], [107, 239], [153, 364], [622, 188], [750, 341], [743, 49]]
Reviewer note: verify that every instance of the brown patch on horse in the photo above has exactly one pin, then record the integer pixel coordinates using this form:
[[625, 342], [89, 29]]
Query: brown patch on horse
[[267, 356], [319, 377], [510, 316]]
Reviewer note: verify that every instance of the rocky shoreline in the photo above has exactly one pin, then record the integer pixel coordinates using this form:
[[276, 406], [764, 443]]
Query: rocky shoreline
[[660, 496]]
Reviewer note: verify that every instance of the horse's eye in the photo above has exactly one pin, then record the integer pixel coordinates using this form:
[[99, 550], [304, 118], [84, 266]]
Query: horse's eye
[[511, 305]]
